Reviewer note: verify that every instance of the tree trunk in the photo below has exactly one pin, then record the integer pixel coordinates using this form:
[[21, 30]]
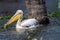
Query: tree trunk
[[36, 9]]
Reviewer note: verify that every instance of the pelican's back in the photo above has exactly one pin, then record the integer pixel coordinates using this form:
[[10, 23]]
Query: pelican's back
[[28, 22]]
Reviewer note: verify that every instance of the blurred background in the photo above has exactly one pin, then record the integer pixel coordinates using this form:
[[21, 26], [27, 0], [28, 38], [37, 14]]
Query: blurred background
[[9, 7]]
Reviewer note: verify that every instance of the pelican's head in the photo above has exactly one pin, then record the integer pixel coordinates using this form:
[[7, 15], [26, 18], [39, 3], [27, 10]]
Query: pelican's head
[[18, 15]]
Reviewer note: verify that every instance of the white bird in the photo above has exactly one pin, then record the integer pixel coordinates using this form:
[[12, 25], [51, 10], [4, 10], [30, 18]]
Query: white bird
[[23, 25]]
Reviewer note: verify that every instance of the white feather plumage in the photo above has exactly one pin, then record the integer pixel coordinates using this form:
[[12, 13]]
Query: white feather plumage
[[22, 26], [28, 22]]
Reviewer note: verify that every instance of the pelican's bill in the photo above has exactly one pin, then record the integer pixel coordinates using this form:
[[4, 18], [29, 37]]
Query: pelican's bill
[[14, 18]]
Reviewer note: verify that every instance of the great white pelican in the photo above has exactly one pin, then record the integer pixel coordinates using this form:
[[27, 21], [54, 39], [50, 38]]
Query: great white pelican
[[22, 25]]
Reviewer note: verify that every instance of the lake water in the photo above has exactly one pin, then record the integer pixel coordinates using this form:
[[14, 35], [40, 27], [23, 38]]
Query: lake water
[[52, 32]]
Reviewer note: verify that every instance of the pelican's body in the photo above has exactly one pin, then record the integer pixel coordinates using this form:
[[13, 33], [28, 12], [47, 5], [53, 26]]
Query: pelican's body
[[29, 24], [21, 26]]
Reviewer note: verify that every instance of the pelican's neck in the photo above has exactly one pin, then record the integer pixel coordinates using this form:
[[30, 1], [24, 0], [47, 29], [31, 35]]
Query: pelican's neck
[[18, 22]]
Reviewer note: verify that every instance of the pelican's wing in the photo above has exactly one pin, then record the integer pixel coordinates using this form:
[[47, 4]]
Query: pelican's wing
[[29, 22]]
